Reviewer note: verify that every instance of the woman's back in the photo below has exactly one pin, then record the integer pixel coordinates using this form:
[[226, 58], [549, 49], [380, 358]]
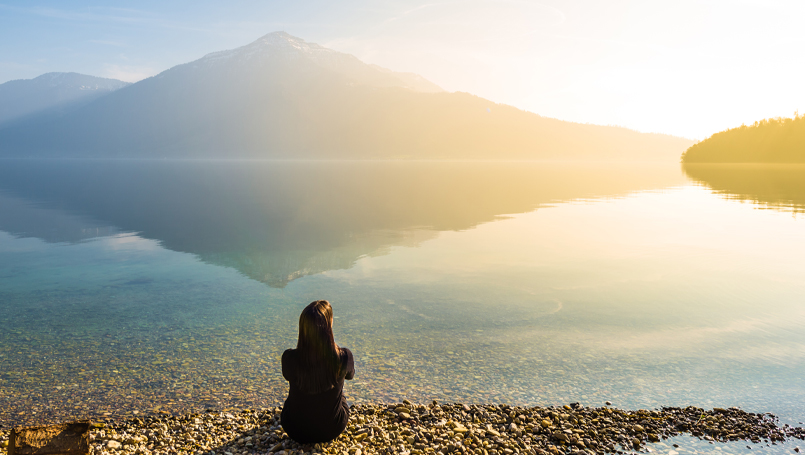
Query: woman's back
[[319, 416]]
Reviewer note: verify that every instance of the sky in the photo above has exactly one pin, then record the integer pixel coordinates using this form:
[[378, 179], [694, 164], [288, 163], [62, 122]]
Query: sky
[[682, 67]]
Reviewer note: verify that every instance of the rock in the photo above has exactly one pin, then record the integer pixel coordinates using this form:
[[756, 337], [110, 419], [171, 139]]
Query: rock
[[135, 440], [560, 435], [71, 437], [112, 444]]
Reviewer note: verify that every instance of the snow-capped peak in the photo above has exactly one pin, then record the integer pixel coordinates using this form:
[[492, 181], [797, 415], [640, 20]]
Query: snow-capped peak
[[272, 44]]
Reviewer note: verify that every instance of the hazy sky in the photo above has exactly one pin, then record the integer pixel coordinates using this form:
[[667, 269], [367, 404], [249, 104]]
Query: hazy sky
[[689, 68]]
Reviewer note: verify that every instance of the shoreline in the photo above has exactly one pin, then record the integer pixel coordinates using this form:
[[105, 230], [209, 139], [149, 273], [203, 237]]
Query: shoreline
[[451, 428]]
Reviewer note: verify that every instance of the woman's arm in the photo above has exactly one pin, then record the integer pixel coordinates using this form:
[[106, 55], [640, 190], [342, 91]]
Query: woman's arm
[[286, 365], [350, 364]]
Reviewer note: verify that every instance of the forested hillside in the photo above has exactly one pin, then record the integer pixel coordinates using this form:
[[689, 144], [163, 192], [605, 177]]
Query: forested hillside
[[779, 140]]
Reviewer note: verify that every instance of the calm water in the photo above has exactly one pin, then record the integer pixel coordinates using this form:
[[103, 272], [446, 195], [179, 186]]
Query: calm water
[[148, 287]]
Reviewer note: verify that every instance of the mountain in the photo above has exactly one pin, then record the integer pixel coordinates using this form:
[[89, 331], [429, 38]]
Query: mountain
[[52, 93], [780, 140], [281, 97]]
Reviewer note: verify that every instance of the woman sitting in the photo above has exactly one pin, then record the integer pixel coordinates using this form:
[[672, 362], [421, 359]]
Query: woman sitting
[[316, 410]]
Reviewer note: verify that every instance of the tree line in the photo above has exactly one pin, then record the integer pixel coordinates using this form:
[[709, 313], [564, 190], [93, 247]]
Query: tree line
[[774, 140]]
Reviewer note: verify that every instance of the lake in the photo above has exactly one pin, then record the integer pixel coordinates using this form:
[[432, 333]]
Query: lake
[[141, 287]]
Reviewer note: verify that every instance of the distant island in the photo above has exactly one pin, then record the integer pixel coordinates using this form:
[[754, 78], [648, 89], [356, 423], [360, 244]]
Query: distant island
[[281, 97], [780, 140]]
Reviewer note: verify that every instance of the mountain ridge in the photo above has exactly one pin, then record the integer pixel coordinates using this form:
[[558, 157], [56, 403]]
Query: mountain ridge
[[280, 97], [55, 92], [284, 45]]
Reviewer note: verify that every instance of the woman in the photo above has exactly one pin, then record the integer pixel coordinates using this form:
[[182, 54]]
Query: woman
[[316, 410]]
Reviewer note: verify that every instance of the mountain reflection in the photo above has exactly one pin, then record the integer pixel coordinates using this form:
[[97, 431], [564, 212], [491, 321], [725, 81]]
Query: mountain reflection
[[277, 221], [775, 186]]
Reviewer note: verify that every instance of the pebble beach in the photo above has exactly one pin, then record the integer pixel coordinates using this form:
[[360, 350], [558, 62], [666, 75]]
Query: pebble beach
[[407, 428]]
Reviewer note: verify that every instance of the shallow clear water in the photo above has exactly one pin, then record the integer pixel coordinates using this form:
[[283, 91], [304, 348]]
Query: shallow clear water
[[167, 286]]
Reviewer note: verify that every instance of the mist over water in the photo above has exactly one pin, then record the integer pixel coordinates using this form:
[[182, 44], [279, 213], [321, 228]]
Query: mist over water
[[168, 286]]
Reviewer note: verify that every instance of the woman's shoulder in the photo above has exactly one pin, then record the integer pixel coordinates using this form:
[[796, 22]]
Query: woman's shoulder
[[289, 364], [346, 356], [289, 355]]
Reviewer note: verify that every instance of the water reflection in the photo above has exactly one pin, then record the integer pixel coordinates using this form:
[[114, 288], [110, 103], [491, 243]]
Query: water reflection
[[278, 221], [774, 186], [650, 298]]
